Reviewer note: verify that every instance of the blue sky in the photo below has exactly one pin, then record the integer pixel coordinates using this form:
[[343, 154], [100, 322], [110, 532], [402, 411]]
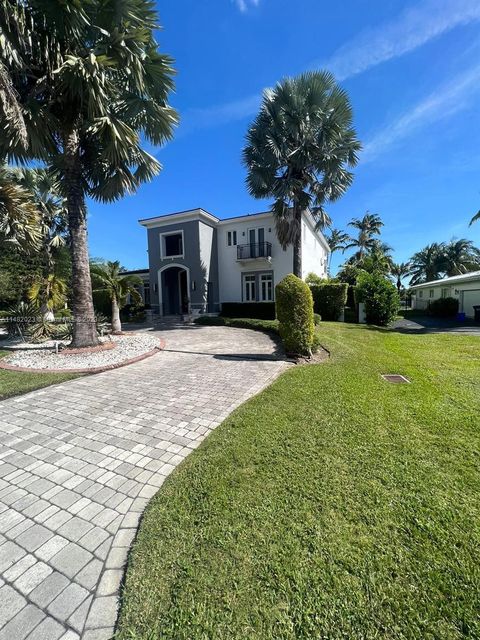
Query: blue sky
[[412, 70]]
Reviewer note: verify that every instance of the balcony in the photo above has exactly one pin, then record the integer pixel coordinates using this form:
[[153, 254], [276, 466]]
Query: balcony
[[254, 251]]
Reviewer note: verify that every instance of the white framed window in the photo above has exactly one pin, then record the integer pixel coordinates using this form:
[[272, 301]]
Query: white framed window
[[249, 288], [444, 293], [231, 238], [420, 294], [266, 287], [171, 244], [432, 293]]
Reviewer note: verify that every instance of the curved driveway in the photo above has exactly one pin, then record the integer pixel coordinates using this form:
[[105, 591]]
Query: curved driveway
[[80, 460]]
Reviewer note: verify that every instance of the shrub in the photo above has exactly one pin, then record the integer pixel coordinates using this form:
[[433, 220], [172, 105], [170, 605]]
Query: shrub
[[259, 310], [20, 318], [210, 321], [350, 315], [329, 299], [380, 297], [312, 279], [443, 307], [295, 315], [63, 313], [317, 318], [269, 326]]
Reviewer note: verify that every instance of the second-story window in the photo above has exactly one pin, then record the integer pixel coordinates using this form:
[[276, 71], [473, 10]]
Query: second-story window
[[172, 245], [231, 238]]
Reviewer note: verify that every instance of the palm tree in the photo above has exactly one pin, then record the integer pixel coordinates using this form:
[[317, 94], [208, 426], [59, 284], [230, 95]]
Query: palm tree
[[48, 293], [426, 263], [368, 227], [475, 218], [400, 270], [337, 240], [459, 256], [20, 220], [91, 85], [107, 278], [299, 150], [377, 260]]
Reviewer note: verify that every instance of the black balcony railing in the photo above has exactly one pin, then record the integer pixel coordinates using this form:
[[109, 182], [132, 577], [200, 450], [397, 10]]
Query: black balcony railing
[[254, 250]]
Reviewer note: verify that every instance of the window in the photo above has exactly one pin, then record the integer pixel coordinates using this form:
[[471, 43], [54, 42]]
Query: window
[[444, 293], [420, 294], [172, 245], [146, 293], [266, 287], [231, 238], [432, 293], [249, 283]]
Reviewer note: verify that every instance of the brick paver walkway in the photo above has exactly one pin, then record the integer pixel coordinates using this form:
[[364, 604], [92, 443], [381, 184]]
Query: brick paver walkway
[[79, 462]]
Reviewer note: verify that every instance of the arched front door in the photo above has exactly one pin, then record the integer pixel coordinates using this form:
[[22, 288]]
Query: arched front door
[[173, 286]]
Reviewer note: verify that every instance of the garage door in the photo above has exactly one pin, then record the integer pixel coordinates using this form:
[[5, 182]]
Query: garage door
[[469, 299]]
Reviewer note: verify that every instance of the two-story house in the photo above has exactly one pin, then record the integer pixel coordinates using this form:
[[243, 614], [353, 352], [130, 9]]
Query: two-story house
[[198, 261]]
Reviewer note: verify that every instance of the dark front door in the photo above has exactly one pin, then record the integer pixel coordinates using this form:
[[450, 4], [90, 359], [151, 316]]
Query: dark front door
[[183, 286]]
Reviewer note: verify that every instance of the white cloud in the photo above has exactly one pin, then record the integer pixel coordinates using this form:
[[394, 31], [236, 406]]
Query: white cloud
[[445, 101], [243, 5], [413, 28]]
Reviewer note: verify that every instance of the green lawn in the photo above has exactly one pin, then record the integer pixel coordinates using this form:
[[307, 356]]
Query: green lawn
[[13, 383], [334, 505]]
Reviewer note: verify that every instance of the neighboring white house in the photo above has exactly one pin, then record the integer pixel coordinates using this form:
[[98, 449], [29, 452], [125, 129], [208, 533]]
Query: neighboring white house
[[466, 288], [198, 261]]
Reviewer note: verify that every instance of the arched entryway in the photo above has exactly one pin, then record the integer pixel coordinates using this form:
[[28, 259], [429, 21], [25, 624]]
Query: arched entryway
[[174, 289]]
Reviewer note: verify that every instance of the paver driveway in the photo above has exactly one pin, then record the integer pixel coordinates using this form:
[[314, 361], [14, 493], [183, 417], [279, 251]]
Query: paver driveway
[[80, 460]]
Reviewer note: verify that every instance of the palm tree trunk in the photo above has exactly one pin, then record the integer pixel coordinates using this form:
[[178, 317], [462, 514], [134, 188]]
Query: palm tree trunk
[[297, 242], [116, 323], [84, 327]]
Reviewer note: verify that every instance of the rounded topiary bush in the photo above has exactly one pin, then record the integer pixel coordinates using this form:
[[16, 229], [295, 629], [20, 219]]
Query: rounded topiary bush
[[380, 297], [294, 304]]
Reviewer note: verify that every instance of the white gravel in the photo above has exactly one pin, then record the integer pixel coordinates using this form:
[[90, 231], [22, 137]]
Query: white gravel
[[44, 356]]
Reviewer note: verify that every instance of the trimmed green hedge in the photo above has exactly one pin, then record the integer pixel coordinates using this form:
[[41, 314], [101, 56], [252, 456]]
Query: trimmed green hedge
[[329, 299], [443, 307], [295, 315], [260, 310], [380, 297], [269, 326]]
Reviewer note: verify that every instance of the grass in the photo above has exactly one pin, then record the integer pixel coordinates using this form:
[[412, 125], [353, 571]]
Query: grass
[[333, 505], [13, 383]]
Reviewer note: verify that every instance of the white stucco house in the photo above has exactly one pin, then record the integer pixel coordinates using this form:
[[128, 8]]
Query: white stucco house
[[466, 288], [198, 261]]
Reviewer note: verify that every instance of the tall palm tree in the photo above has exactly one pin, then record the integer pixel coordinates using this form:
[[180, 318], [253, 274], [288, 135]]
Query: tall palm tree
[[300, 149], [475, 218], [426, 263], [91, 84], [400, 270], [337, 240], [107, 277], [459, 256], [368, 227]]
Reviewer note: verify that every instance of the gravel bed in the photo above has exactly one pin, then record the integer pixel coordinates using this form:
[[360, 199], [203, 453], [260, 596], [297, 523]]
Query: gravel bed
[[44, 356]]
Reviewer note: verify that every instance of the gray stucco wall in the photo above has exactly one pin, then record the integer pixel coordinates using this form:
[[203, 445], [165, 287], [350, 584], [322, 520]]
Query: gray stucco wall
[[192, 253]]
